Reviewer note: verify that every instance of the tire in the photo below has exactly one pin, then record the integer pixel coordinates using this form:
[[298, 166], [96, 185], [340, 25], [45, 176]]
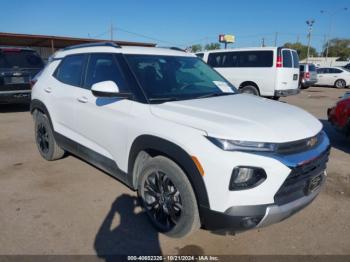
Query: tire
[[45, 140], [173, 212], [340, 83], [276, 98], [250, 90]]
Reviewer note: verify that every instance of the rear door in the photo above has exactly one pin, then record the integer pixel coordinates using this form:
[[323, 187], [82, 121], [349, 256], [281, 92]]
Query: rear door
[[63, 92], [288, 74], [17, 68]]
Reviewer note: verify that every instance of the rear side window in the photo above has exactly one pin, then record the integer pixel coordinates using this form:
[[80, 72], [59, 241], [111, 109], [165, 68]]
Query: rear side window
[[70, 70], [17, 58], [320, 71], [104, 67], [302, 68], [287, 59], [241, 59]]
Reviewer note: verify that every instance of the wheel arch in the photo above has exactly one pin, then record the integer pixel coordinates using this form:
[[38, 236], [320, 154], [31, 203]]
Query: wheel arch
[[159, 146], [249, 83], [339, 79], [36, 104]]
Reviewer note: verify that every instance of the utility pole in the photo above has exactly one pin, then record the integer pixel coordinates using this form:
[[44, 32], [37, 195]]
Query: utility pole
[[298, 38], [276, 37], [331, 15], [111, 32], [309, 23], [263, 42]]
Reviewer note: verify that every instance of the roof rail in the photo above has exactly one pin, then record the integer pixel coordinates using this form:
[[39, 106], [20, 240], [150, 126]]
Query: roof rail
[[173, 48], [111, 44]]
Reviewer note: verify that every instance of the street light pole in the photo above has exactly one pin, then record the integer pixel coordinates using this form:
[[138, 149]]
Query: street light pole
[[310, 23], [331, 15]]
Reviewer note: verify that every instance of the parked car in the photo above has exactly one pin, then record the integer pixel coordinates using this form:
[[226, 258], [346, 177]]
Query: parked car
[[347, 66], [333, 76], [169, 126], [339, 114], [18, 65], [308, 75], [265, 71]]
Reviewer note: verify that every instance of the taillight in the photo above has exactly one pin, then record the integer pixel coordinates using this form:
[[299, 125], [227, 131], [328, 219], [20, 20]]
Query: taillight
[[307, 74], [279, 61]]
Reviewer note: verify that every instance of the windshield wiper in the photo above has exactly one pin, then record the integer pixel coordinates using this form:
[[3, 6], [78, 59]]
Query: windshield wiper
[[163, 99], [215, 94]]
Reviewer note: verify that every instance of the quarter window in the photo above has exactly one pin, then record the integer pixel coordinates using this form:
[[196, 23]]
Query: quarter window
[[70, 70]]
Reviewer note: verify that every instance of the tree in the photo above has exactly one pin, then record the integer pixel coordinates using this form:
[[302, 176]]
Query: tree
[[301, 49], [196, 48], [212, 46], [338, 47]]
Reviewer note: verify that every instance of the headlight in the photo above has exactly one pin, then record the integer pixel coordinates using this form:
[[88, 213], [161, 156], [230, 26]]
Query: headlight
[[237, 145]]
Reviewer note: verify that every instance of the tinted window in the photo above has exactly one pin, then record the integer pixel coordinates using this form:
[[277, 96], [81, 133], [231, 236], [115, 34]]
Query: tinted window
[[295, 59], [104, 67], [70, 70], [312, 68], [302, 68], [200, 55], [241, 59], [287, 58], [335, 71], [20, 58], [320, 71]]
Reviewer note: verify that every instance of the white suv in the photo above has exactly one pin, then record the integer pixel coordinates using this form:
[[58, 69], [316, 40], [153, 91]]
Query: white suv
[[167, 125]]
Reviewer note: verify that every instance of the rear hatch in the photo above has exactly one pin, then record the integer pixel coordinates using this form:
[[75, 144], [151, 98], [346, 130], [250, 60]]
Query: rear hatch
[[313, 72], [287, 69], [17, 68]]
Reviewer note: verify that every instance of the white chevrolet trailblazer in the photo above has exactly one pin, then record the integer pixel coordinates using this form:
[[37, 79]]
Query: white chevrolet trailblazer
[[167, 125]]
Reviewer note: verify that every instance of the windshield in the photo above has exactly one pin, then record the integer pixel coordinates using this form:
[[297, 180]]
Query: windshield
[[20, 59], [165, 78]]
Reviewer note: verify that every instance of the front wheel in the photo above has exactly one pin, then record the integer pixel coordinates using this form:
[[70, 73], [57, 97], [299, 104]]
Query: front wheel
[[340, 83], [168, 198]]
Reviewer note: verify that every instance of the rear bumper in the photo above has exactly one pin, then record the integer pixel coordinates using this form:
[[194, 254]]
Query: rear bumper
[[287, 92], [307, 83], [17, 96], [242, 218]]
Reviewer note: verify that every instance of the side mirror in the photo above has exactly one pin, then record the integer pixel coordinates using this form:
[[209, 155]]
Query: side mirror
[[108, 89]]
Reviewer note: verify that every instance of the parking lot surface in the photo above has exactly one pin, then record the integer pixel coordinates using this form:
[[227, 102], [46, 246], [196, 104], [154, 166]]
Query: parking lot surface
[[70, 207]]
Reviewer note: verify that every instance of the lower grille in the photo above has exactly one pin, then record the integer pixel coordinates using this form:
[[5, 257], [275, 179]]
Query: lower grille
[[297, 183]]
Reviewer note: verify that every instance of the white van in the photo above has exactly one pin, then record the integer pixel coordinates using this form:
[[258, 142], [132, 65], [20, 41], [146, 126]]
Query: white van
[[266, 71]]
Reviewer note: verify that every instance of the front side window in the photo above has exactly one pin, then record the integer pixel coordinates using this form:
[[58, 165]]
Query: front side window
[[70, 70], [177, 78], [104, 67], [287, 59]]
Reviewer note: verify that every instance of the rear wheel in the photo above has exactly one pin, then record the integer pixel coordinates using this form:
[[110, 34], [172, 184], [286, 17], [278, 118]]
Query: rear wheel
[[250, 90], [340, 83], [45, 139], [168, 198]]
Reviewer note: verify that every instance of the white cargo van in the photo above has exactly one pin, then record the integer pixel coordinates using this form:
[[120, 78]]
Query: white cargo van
[[266, 71]]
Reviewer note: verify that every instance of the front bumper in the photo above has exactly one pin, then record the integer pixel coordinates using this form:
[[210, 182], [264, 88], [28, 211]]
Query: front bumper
[[287, 92], [241, 218], [16, 96]]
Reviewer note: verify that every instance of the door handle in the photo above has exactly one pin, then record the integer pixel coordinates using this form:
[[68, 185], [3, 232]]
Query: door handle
[[48, 89], [82, 99]]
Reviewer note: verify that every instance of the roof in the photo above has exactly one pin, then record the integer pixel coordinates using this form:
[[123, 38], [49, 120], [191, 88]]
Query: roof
[[240, 49], [10, 39], [124, 49]]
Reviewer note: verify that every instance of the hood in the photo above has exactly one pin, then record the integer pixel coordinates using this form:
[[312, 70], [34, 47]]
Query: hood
[[241, 117]]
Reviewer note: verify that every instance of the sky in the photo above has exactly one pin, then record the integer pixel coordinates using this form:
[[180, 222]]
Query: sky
[[180, 23]]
